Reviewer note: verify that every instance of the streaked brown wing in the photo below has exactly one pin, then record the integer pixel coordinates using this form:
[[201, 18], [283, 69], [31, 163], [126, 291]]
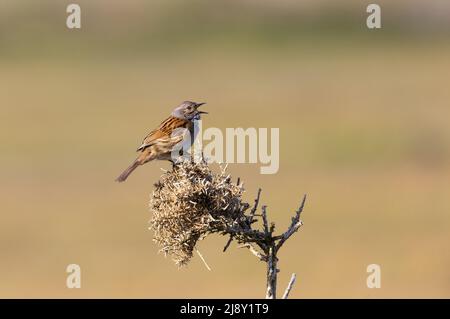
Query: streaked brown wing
[[164, 131]]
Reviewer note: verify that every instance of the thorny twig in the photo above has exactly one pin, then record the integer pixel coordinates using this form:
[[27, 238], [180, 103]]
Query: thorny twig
[[295, 225], [254, 252], [266, 241], [191, 201], [255, 206]]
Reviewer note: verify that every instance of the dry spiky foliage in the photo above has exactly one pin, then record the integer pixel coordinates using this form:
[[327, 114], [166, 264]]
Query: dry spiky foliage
[[190, 202]]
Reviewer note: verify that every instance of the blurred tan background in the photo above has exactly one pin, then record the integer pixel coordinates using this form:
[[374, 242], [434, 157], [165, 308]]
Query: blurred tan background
[[364, 128]]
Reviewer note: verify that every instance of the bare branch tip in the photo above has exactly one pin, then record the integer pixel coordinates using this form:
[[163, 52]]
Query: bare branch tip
[[303, 203], [228, 243], [203, 259], [290, 285]]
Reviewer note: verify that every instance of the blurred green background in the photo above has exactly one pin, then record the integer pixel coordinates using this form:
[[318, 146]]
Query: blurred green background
[[364, 131]]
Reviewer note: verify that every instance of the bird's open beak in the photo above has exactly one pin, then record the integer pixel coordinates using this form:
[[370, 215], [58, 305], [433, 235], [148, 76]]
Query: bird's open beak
[[200, 112]]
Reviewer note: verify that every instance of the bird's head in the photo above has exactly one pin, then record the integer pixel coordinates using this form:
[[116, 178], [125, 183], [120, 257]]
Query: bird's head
[[188, 111]]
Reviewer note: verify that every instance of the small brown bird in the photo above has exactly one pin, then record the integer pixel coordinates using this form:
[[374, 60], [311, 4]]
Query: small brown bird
[[159, 143]]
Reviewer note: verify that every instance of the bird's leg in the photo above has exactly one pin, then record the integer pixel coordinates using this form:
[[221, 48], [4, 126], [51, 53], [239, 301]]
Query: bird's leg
[[174, 164]]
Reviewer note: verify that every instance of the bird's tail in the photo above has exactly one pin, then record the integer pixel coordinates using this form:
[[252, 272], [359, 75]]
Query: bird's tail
[[122, 177]]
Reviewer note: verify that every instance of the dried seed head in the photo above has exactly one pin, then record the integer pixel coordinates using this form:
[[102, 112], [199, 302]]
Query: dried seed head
[[190, 202]]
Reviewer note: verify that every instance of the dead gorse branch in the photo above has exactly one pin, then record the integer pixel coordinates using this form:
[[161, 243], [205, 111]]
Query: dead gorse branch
[[191, 201]]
